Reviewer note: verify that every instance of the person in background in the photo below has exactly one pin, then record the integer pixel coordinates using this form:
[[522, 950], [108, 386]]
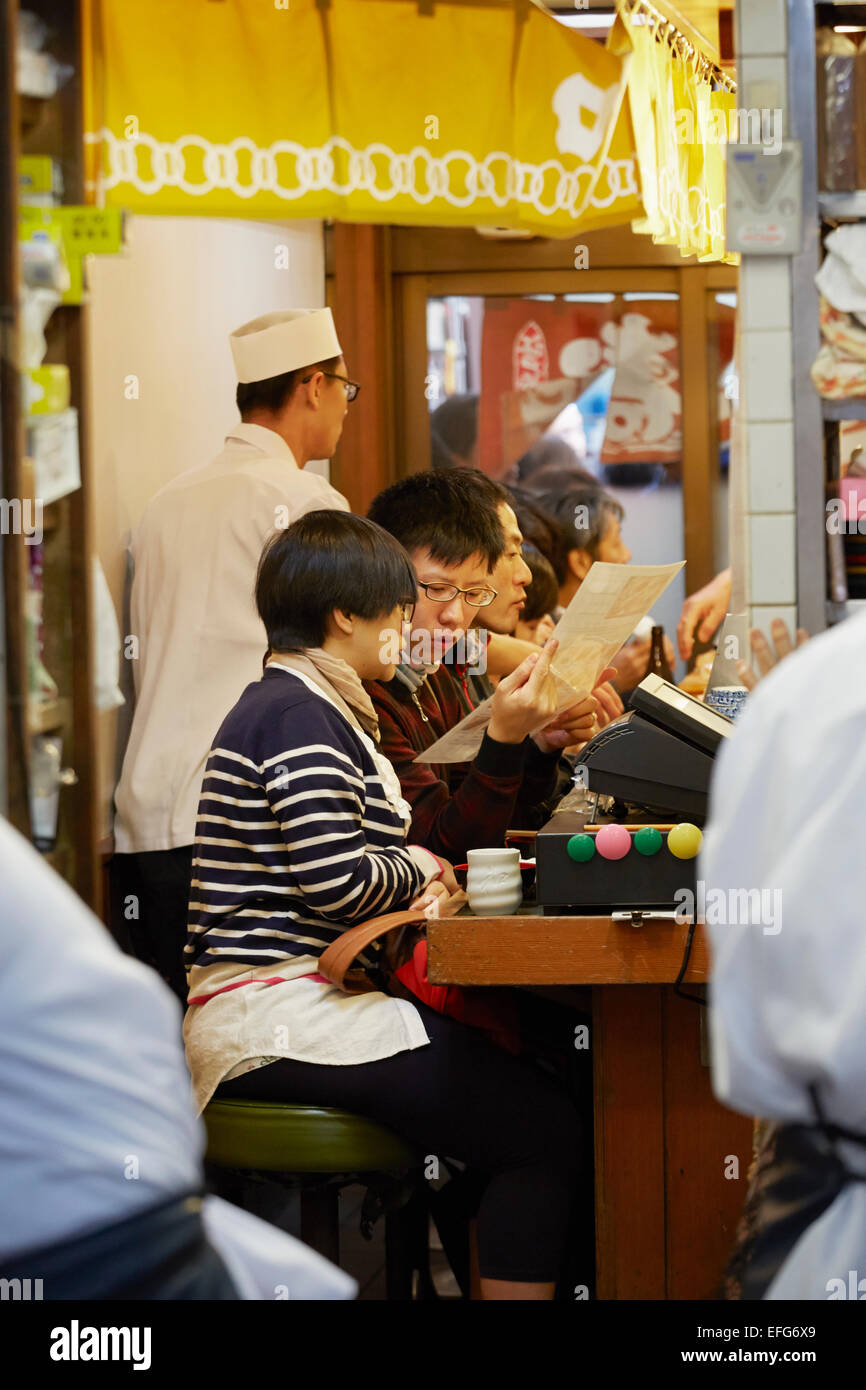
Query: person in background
[[450, 525], [542, 530], [454, 433], [497, 621], [312, 840], [554, 478], [765, 658], [550, 453], [195, 554], [788, 988], [103, 1192], [549, 540], [594, 520], [703, 612], [536, 621]]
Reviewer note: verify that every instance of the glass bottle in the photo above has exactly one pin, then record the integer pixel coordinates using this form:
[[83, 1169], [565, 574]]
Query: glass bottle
[[658, 664]]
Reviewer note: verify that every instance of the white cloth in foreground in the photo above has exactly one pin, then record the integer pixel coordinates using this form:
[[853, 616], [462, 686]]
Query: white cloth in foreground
[[789, 991], [96, 1111], [201, 641]]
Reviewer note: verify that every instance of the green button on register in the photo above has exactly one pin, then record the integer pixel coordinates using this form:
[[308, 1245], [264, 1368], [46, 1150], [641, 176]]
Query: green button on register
[[647, 840], [581, 848]]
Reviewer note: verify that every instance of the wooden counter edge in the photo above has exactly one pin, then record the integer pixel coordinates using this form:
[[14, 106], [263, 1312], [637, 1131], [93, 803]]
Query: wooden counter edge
[[536, 950]]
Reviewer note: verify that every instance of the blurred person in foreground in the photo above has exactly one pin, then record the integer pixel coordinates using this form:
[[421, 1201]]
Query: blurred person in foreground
[[782, 855], [103, 1189]]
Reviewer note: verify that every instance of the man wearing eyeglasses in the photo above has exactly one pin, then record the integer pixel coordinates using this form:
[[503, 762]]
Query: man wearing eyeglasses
[[457, 527], [200, 639]]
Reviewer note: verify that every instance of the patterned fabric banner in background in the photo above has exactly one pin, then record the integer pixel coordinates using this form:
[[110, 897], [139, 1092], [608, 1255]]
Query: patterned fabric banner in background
[[680, 114], [538, 356]]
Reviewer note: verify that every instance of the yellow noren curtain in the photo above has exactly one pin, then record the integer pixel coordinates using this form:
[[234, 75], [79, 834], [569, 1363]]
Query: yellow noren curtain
[[680, 124], [363, 110]]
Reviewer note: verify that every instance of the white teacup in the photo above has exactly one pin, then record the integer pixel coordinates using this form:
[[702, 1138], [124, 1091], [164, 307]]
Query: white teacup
[[493, 883]]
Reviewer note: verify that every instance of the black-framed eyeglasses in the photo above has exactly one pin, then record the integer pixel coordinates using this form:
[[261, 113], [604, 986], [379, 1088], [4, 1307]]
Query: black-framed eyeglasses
[[444, 593], [352, 387]]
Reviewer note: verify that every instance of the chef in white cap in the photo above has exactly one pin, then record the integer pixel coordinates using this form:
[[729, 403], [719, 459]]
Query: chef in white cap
[[201, 641]]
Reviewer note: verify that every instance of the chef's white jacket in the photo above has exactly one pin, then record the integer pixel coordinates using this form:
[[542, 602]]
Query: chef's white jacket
[[200, 640], [789, 990], [97, 1120]]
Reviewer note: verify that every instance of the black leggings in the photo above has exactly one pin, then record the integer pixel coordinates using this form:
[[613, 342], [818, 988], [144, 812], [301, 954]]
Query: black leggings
[[462, 1097]]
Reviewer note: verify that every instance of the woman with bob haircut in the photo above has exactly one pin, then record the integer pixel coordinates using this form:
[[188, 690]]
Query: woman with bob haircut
[[301, 834]]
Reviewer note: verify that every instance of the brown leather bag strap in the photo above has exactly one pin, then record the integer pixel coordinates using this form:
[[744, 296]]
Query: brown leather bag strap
[[336, 960]]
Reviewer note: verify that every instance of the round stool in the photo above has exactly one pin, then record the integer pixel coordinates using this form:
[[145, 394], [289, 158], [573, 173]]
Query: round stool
[[318, 1150]]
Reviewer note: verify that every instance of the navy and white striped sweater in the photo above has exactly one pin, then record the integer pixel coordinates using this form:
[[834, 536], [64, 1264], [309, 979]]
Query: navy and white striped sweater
[[295, 839]]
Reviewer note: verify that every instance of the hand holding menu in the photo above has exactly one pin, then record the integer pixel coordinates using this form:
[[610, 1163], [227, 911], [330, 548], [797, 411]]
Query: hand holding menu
[[602, 615]]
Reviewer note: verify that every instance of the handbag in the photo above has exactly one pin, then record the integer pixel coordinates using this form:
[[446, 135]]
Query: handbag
[[401, 970], [337, 961]]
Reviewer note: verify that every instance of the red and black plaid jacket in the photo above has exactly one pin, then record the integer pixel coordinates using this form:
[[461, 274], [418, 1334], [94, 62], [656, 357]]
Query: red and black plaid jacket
[[459, 806]]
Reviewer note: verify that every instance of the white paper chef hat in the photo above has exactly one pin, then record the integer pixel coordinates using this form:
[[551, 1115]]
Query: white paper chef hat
[[282, 342]]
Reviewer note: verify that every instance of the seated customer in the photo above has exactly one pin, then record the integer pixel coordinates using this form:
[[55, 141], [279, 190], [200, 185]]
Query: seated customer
[[451, 524], [592, 518], [542, 530], [550, 454], [536, 621], [302, 833]]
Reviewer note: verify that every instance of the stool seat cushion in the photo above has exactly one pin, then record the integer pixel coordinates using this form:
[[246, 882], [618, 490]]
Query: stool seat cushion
[[281, 1138]]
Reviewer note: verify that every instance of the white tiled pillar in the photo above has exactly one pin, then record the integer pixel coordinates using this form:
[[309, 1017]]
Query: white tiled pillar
[[768, 523]]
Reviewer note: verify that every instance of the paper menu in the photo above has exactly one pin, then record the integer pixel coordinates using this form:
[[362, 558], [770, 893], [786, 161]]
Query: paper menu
[[462, 742], [602, 615]]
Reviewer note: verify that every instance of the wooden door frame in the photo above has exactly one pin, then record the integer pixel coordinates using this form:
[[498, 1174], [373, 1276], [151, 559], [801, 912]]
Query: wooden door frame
[[379, 280]]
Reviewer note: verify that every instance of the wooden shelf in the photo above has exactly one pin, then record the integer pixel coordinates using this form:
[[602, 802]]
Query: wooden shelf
[[49, 126], [837, 612], [843, 204], [48, 716], [852, 409]]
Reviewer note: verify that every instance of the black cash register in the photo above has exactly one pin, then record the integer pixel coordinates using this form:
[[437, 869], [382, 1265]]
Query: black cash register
[[655, 761]]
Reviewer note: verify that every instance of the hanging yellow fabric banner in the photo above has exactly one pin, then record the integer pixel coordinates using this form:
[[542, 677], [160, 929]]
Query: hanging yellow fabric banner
[[618, 196], [363, 110], [679, 117]]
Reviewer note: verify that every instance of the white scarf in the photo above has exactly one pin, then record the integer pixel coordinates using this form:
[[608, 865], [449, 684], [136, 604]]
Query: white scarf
[[339, 683]]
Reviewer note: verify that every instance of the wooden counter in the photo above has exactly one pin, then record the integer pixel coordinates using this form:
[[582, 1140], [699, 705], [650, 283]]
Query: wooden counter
[[666, 1213]]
